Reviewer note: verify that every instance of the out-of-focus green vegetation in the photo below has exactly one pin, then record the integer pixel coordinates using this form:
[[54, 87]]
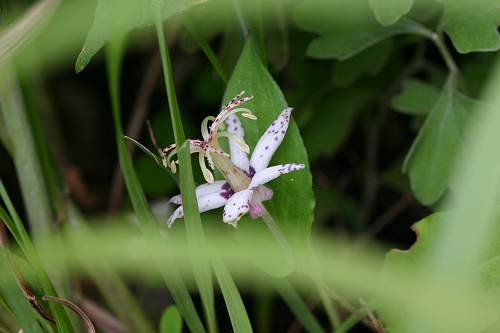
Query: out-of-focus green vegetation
[[395, 119]]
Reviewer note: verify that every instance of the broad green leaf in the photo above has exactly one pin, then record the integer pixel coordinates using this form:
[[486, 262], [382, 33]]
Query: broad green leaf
[[333, 118], [171, 320], [344, 30], [369, 61], [293, 202], [472, 25], [389, 12], [417, 98], [427, 233], [117, 17], [431, 157]]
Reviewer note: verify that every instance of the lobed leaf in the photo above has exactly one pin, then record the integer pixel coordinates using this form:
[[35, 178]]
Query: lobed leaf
[[472, 25], [389, 12], [417, 98], [344, 31], [431, 157]]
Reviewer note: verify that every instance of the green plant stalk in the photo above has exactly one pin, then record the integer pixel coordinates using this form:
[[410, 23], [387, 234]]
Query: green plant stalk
[[347, 324], [112, 287], [147, 221], [297, 306], [235, 307], [205, 47], [26, 160], [192, 219], [32, 184]]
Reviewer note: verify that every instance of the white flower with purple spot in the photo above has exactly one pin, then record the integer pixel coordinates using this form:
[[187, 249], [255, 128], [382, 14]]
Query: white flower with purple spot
[[243, 191]]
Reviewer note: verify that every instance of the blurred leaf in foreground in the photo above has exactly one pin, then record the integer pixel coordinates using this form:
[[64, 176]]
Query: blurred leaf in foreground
[[427, 231], [432, 154], [116, 17], [171, 320]]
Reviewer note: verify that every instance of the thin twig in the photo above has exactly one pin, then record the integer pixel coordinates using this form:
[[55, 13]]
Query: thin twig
[[86, 320], [136, 123]]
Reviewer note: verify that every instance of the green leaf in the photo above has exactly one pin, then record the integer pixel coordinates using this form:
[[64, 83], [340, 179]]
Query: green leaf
[[427, 232], [293, 202], [333, 118], [369, 61], [432, 154], [417, 98], [171, 320], [389, 12], [344, 30], [117, 17], [25, 315], [472, 25]]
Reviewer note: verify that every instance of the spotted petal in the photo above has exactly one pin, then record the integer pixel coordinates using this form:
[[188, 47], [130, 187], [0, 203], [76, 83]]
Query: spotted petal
[[205, 203], [270, 141], [268, 174], [237, 206], [238, 155], [203, 190]]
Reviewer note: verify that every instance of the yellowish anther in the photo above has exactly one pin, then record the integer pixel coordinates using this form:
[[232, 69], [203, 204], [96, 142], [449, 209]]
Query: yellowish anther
[[206, 173], [249, 116], [173, 167]]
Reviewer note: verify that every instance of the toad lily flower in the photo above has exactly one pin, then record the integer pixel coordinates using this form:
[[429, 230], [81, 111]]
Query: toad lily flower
[[209, 146], [244, 191]]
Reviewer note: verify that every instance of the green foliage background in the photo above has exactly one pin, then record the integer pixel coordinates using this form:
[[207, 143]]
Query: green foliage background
[[395, 116]]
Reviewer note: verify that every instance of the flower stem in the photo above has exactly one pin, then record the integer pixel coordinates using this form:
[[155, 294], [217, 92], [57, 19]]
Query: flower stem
[[275, 230]]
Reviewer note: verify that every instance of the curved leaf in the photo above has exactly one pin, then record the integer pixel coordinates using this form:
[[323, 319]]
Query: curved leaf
[[117, 17], [345, 30], [389, 12], [427, 232], [431, 157], [472, 25], [293, 202], [171, 320]]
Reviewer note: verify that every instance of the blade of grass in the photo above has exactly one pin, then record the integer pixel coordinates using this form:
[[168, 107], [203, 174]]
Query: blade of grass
[[205, 47], [33, 186], [26, 160], [234, 303], [22, 311], [172, 278], [192, 219], [298, 306]]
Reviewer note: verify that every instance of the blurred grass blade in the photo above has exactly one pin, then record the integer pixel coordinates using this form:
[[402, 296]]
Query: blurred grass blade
[[25, 158], [192, 219], [25, 28], [298, 306], [171, 320], [22, 311], [174, 282], [234, 303], [205, 47]]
